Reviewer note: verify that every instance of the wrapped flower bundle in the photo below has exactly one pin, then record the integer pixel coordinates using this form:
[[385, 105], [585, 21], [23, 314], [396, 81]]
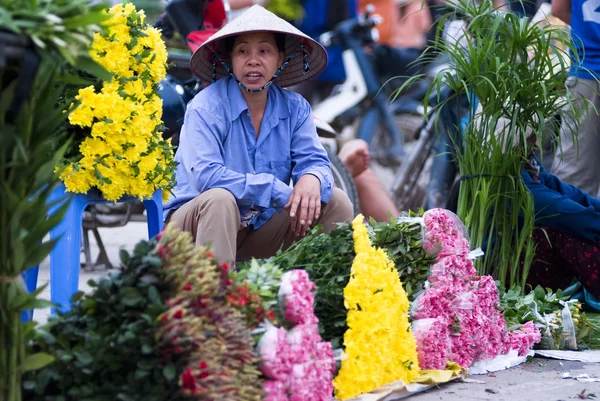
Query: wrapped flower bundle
[[467, 324], [298, 365], [379, 346], [123, 152]]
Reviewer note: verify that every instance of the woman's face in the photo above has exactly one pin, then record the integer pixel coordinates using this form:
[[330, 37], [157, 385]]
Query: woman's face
[[255, 58]]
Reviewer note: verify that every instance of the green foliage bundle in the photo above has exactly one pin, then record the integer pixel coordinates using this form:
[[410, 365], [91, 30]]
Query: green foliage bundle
[[105, 347], [328, 259], [161, 329], [559, 319], [515, 71]]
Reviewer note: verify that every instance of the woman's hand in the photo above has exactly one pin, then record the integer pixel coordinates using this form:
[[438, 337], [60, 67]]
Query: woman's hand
[[304, 205]]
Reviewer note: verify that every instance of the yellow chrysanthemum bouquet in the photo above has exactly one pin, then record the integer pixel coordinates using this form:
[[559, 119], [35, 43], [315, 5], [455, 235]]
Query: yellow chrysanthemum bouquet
[[123, 152], [379, 346]]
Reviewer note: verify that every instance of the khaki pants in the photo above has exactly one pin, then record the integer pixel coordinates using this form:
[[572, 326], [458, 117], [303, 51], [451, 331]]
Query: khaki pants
[[577, 162], [213, 218]]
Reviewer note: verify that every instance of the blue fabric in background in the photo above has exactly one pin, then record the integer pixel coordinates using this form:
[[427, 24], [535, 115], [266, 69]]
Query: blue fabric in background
[[585, 31], [315, 23]]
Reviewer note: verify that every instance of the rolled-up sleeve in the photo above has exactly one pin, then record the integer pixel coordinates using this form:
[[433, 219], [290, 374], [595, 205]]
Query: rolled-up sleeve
[[308, 154], [201, 147]]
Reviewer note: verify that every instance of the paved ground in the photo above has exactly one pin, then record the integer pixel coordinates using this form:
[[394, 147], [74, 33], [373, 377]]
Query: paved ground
[[540, 379]]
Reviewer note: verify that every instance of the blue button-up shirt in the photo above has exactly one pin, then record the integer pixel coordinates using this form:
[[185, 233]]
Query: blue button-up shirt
[[218, 148]]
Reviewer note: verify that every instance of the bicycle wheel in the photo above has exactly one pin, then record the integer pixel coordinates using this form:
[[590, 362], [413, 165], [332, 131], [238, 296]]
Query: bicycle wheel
[[343, 179]]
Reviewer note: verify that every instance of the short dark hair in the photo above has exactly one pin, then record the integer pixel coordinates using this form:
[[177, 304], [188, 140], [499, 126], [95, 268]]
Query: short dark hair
[[279, 42]]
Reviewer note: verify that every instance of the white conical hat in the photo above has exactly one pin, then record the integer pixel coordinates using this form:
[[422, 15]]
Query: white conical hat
[[257, 19]]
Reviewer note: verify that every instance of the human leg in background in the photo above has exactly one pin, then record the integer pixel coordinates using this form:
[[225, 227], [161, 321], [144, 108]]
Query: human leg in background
[[577, 164], [374, 199], [276, 233]]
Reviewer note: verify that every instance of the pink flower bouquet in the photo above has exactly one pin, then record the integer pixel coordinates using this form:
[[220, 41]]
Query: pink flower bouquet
[[296, 294], [459, 304]]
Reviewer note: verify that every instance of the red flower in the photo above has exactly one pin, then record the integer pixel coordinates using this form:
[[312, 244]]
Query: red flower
[[187, 287], [178, 314], [270, 315], [225, 267], [203, 365], [594, 276], [209, 255], [587, 254], [243, 301], [187, 379], [164, 319], [203, 375], [178, 349]]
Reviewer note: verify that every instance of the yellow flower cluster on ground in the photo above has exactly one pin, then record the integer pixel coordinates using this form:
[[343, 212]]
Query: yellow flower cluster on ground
[[124, 153], [379, 345]]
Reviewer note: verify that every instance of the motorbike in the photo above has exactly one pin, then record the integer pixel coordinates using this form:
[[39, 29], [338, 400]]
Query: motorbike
[[360, 99], [193, 22]]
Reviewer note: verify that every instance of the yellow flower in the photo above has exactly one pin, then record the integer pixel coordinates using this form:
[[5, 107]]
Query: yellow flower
[[123, 117], [379, 346], [77, 181]]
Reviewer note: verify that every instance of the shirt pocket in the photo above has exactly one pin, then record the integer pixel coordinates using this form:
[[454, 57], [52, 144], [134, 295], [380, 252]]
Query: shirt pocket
[[281, 169]]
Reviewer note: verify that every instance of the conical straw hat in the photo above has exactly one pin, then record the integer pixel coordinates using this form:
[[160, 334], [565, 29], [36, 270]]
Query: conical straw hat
[[257, 19]]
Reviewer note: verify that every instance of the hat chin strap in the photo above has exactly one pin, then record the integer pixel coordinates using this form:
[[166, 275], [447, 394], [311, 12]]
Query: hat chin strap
[[305, 68]]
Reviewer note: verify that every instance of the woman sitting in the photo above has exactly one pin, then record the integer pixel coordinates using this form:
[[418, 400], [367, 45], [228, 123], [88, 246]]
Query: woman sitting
[[568, 242], [244, 139]]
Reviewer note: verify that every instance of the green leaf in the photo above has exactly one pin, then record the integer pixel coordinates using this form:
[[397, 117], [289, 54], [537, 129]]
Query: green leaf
[[131, 297], [140, 374], [87, 64], [169, 372], [36, 361], [37, 304], [36, 255], [84, 358], [84, 20], [124, 256], [539, 293], [147, 349]]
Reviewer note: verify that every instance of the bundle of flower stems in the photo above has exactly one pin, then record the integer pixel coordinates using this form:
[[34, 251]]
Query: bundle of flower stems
[[507, 69]]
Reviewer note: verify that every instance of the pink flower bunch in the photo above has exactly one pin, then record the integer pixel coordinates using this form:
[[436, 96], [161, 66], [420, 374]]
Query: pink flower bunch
[[468, 325], [299, 366], [444, 233], [433, 342], [523, 338], [297, 297], [276, 358]]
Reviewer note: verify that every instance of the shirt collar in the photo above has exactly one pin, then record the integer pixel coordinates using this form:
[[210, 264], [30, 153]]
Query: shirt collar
[[277, 105]]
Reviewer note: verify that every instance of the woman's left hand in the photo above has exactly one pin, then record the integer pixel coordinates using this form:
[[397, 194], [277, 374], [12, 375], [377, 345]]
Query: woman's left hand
[[304, 205]]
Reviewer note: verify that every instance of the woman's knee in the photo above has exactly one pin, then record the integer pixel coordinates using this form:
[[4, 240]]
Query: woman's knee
[[217, 198], [339, 209]]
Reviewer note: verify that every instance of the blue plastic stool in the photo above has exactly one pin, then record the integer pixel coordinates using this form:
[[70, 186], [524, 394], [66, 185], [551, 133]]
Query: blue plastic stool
[[65, 257]]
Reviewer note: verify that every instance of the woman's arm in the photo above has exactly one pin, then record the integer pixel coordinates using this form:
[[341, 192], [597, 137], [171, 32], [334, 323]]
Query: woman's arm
[[201, 147], [558, 211], [561, 9], [570, 191]]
